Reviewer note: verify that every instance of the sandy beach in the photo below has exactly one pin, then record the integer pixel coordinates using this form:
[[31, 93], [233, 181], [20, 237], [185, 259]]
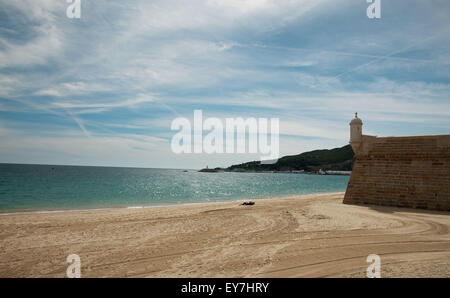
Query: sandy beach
[[305, 236]]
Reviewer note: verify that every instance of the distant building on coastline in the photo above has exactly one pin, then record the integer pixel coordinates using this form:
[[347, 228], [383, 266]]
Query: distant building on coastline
[[411, 171]]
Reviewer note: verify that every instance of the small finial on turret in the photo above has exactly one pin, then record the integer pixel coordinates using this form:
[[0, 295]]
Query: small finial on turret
[[356, 115]]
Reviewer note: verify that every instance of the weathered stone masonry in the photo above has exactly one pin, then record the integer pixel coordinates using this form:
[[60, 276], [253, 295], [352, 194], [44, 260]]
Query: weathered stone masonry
[[399, 171]]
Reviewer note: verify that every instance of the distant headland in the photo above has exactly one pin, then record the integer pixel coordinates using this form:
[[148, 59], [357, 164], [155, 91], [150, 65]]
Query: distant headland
[[337, 161]]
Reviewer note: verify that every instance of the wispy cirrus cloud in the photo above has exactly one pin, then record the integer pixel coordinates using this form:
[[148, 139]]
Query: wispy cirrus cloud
[[36, 20], [142, 98]]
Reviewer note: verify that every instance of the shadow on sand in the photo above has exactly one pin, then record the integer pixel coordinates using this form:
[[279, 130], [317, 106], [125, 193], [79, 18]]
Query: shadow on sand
[[392, 209]]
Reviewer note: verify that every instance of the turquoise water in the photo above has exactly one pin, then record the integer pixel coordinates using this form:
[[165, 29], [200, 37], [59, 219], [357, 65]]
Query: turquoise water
[[41, 187]]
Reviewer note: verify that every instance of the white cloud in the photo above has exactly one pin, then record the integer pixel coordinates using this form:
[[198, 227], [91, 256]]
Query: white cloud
[[48, 92], [121, 150], [37, 51], [37, 10], [141, 98], [159, 16], [46, 44], [305, 127], [8, 84], [73, 89]]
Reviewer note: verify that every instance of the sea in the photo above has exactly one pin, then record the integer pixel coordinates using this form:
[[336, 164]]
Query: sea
[[52, 187]]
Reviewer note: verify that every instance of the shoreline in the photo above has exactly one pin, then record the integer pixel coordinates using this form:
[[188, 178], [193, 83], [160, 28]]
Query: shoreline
[[132, 207]]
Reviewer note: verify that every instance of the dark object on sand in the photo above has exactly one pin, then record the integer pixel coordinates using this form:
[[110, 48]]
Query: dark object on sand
[[249, 203]]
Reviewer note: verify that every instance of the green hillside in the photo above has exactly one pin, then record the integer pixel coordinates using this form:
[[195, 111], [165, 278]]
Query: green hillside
[[338, 159]]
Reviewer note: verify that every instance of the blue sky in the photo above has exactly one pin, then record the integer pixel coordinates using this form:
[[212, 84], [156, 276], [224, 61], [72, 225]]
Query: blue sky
[[104, 89]]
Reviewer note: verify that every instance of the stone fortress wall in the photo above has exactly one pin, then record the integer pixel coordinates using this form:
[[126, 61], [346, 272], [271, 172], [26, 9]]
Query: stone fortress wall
[[411, 171]]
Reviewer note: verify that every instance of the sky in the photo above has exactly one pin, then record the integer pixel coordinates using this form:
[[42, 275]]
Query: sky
[[104, 89]]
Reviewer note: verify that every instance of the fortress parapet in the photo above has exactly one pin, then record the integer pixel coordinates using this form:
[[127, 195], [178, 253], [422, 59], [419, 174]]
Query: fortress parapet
[[411, 171]]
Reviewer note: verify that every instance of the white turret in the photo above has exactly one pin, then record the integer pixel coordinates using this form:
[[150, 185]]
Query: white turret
[[355, 132]]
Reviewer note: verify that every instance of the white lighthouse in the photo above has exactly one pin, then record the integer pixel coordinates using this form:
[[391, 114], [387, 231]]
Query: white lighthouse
[[355, 133]]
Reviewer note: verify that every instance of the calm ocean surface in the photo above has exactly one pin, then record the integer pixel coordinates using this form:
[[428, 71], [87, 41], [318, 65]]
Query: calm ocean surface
[[41, 187]]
